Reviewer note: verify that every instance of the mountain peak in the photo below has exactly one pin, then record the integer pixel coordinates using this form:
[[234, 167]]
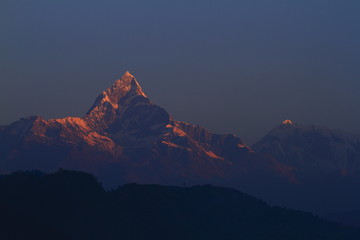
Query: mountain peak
[[106, 104], [126, 84], [127, 74], [287, 122]]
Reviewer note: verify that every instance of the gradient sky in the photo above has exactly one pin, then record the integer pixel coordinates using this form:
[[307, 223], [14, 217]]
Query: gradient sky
[[231, 66]]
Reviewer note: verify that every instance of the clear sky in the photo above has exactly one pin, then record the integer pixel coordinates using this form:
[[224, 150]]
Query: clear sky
[[231, 66]]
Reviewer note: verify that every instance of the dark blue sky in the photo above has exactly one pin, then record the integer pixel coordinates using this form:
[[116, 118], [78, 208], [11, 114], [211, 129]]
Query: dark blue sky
[[231, 66]]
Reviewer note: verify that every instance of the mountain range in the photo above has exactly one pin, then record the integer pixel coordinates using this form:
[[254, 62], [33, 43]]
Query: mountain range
[[125, 137]]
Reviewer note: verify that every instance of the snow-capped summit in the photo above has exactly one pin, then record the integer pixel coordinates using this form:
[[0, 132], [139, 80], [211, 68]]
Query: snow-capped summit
[[287, 122], [127, 83], [127, 73], [103, 112]]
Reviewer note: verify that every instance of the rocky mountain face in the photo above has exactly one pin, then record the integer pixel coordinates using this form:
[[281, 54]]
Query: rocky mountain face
[[124, 137]]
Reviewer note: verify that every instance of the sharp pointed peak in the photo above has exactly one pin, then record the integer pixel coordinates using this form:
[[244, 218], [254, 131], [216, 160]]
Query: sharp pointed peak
[[127, 74], [127, 83], [125, 86], [125, 79]]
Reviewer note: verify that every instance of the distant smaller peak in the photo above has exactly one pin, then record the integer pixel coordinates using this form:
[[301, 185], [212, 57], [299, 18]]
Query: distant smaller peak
[[287, 122]]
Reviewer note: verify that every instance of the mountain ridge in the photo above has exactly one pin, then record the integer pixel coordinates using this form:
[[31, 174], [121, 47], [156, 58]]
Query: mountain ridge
[[124, 137], [296, 144], [125, 130]]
